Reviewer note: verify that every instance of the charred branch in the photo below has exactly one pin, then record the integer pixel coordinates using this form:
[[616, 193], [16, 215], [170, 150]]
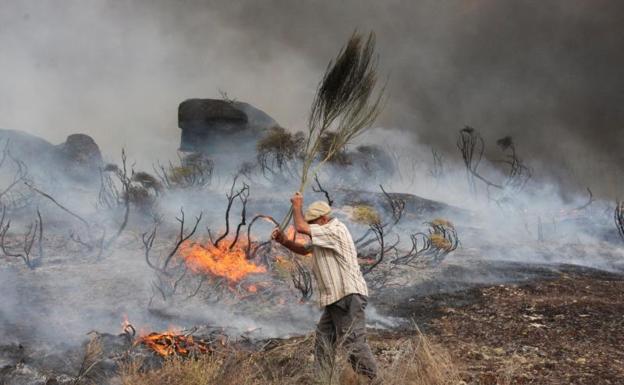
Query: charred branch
[[519, 174], [319, 189], [437, 169], [243, 198], [397, 205], [380, 236], [49, 197], [302, 279], [33, 232], [168, 277], [432, 247], [20, 174], [471, 147], [231, 197], [122, 175], [251, 254], [181, 236]]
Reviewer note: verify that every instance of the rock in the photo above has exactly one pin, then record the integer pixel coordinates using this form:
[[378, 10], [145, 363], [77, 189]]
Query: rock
[[205, 122], [80, 156], [81, 149], [227, 131]]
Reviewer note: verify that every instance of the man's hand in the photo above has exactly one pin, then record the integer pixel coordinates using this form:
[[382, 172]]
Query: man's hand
[[297, 200], [278, 236]]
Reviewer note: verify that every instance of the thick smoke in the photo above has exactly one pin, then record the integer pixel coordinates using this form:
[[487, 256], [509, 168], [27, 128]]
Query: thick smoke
[[547, 73]]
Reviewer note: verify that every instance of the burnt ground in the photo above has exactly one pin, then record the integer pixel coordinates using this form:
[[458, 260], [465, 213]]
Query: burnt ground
[[567, 328]]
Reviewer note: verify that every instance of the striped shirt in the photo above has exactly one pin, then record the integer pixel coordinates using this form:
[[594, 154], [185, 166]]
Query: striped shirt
[[335, 263]]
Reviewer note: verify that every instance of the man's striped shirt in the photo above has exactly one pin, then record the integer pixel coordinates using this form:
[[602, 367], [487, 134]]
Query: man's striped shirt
[[335, 262]]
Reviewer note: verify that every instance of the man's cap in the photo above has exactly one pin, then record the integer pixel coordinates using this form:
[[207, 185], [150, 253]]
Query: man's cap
[[316, 210]]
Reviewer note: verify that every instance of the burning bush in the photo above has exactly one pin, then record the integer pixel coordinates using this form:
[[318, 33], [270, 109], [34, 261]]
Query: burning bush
[[224, 259]]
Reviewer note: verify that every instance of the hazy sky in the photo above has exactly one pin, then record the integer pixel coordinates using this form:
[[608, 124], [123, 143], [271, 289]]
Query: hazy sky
[[549, 73]]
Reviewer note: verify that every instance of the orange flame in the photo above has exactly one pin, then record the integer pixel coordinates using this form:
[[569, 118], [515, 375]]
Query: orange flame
[[169, 343], [221, 261]]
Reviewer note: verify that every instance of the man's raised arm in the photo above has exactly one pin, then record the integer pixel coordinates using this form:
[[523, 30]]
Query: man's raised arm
[[300, 223]]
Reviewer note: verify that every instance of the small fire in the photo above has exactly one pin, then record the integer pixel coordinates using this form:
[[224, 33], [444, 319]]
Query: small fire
[[223, 260], [171, 343]]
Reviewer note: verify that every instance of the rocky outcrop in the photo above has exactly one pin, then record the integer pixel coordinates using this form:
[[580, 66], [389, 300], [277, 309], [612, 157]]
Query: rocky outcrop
[[78, 158], [209, 124]]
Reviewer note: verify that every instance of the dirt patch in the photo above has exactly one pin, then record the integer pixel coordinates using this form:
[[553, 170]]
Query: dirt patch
[[567, 330]]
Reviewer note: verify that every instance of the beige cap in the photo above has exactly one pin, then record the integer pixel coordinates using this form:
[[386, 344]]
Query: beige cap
[[316, 210]]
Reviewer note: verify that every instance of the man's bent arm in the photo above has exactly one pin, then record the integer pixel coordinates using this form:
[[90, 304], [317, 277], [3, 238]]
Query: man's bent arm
[[295, 247]]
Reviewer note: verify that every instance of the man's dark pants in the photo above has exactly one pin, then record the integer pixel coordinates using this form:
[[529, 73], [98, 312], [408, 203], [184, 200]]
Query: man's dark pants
[[343, 322]]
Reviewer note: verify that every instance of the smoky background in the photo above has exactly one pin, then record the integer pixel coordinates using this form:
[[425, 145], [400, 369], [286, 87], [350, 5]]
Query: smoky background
[[547, 73]]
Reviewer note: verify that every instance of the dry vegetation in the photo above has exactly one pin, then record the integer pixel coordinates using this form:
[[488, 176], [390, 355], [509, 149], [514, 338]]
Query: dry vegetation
[[404, 359]]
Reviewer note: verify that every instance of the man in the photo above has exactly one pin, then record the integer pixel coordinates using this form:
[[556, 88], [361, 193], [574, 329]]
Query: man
[[341, 287]]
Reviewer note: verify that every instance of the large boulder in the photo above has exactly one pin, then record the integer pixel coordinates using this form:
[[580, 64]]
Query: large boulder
[[221, 128]]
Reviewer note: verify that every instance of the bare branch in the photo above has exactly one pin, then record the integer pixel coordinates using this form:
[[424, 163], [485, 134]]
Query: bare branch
[[231, 196], [302, 279], [320, 189], [243, 198], [265, 217], [182, 237], [45, 195]]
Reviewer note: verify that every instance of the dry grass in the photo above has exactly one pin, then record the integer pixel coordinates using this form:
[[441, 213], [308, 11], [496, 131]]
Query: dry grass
[[402, 361], [88, 372], [418, 361]]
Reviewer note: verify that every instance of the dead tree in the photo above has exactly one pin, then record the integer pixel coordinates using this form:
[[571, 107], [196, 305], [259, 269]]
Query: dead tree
[[397, 205], [397, 208], [518, 174], [377, 234], [126, 183], [319, 189], [383, 249], [471, 146], [168, 277], [11, 195], [243, 195], [34, 231], [619, 218]]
